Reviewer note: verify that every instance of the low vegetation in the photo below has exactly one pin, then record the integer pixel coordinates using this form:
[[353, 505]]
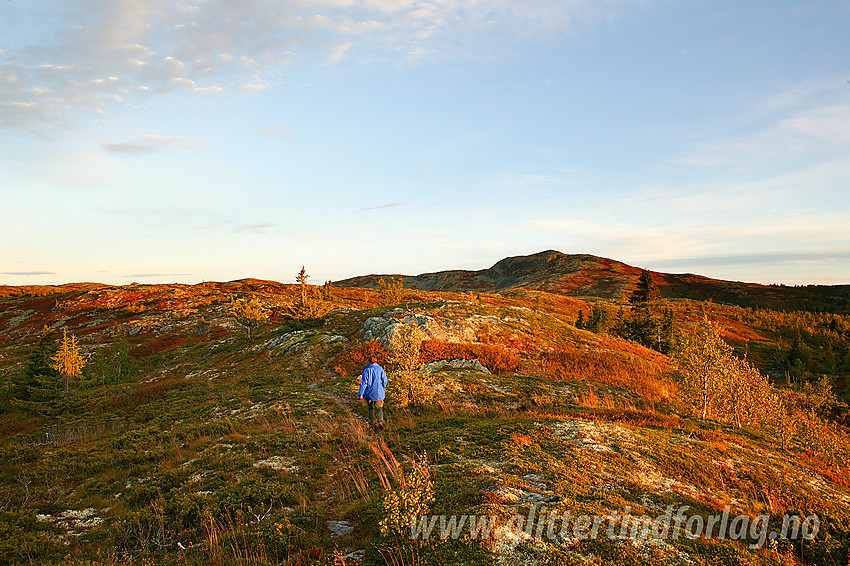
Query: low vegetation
[[218, 424]]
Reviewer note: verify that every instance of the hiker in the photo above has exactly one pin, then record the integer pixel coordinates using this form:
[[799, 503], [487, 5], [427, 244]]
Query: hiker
[[373, 387]]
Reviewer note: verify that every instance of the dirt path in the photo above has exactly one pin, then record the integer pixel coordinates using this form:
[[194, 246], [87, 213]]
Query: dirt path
[[344, 403]]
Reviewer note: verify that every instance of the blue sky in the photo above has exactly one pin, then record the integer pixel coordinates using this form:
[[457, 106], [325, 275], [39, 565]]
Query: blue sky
[[189, 140]]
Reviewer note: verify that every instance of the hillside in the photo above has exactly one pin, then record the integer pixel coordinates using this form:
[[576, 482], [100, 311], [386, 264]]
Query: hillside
[[185, 441], [583, 275]]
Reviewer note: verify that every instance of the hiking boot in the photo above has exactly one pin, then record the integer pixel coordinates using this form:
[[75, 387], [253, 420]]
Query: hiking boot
[[380, 426]]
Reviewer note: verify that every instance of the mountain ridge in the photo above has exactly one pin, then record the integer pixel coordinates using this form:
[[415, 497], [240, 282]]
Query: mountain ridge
[[583, 275]]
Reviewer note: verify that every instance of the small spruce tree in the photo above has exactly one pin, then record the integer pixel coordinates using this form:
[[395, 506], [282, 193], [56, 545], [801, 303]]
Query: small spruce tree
[[301, 278]]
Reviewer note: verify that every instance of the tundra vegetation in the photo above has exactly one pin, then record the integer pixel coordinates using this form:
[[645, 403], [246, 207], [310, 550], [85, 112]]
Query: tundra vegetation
[[143, 425]]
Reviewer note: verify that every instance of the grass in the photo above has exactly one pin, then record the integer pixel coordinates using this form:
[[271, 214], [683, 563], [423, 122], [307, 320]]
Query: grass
[[241, 453]]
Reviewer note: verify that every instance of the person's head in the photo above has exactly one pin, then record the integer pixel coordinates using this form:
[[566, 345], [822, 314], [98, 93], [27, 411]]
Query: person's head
[[374, 359]]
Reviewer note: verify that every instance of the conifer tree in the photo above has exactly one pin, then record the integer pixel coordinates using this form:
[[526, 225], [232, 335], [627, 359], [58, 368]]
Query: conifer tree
[[646, 291], [301, 278], [644, 326], [37, 367], [68, 361]]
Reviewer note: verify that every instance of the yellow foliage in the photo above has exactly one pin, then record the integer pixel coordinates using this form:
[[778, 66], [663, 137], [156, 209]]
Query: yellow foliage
[[391, 290], [718, 385], [408, 385], [409, 498], [68, 360], [248, 312]]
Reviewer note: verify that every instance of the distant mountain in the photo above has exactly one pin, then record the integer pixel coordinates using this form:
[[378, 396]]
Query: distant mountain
[[585, 275]]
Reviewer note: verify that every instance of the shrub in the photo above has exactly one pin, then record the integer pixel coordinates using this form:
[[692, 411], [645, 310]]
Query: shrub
[[354, 360], [22, 537], [407, 384], [497, 359], [406, 494], [718, 385], [621, 370]]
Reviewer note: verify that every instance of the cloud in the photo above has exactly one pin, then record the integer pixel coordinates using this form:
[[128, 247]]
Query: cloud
[[94, 54], [27, 273], [151, 143], [811, 120], [382, 206], [256, 228], [774, 257], [277, 131]]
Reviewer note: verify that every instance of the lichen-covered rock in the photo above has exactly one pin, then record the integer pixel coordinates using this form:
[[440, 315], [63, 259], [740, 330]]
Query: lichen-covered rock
[[455, 363], [340, 528], [289, 340]]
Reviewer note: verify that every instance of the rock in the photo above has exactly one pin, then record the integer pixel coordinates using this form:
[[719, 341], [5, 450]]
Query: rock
[[278, 463], [455, 363], [384, 329], [506, 494], [374, 328], [339, 528], [289, 340], [357, 556]]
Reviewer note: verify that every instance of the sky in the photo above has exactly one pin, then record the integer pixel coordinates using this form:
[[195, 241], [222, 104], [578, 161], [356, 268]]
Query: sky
[[212, 140]]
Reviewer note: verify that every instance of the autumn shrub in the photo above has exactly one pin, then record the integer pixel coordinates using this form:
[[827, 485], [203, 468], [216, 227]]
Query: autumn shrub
[[407, 494], [621, 370], [497, 359], [718, 385], [352, 361], [408, 384]]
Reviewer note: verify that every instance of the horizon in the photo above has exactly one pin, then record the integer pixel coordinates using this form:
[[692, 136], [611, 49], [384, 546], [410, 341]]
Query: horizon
[[195, 141], [392, 274]]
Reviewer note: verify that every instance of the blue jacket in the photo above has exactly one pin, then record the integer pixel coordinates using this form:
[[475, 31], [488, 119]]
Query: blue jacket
[[373, 383]]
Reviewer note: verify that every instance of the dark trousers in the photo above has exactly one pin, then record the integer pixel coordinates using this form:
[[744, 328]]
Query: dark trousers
[[376, 411]]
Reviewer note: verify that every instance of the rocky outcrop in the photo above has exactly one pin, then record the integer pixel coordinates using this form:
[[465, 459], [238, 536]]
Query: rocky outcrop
[[426, 327], [454, 363]]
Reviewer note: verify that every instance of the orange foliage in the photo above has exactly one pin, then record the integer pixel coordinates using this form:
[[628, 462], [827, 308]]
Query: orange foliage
[[621, 370], [353, 361], [497, 359]]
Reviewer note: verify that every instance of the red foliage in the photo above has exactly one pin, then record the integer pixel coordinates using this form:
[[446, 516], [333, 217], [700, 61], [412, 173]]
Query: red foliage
[[622, 370], [353, 361], [497, 359], [158, 345]]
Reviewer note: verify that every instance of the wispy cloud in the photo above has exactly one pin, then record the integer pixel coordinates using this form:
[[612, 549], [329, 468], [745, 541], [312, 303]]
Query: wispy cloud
[[383, 206], [151, 143], [277, 131], [805, 121], [773, 257], [103, 52], [28, 273], [262, 228]]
